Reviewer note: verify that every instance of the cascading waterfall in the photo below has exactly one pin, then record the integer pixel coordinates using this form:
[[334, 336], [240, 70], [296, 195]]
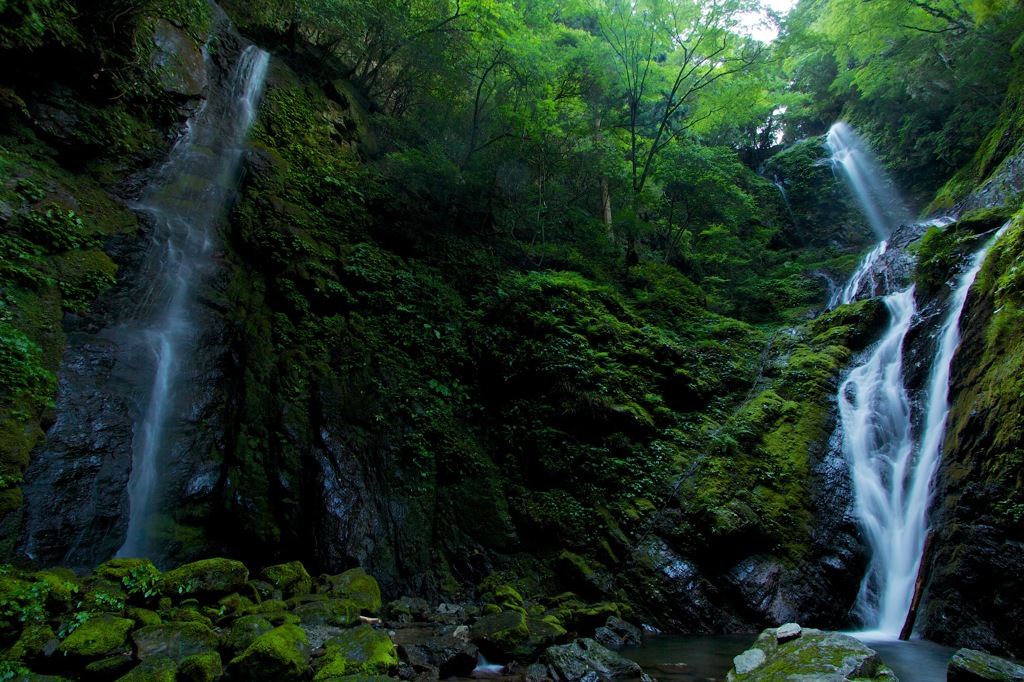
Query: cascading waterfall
[[892, 470], [882, 205], [186, 201], [863, 273]]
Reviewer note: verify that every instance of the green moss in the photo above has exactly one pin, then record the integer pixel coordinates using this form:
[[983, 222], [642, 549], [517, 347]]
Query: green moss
[[176, 640], [204, 667], [244, 632], [156, 669], [33, 643], [100, 636], [143, 617], [292, 579], [336, 612], [356, 585], [361, 650], [281, 654], [206, 577]]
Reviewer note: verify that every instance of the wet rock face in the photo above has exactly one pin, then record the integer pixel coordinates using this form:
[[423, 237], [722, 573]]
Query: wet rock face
[[824, 213], [977, 568], [76, 486], [177, 61]]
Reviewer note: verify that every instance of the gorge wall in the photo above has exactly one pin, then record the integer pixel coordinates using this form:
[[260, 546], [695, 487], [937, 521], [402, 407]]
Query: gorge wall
[[384, 382]]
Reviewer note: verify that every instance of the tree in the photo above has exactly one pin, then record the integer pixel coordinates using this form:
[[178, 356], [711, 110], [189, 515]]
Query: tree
[[668, 55]]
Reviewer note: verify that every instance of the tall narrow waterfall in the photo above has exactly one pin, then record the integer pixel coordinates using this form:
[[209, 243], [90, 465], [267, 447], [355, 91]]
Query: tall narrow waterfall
[[893, 469], [882, 205], [186, 201]]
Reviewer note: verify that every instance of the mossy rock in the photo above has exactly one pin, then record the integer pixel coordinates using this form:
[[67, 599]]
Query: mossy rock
[[244, 632], [361, 650], [592, 616], [984, 219], [355, 584], [208, 577], [292, 578], [138, 577], [282, 654], [175, 640], [62, 587], [110, 668], [189, 615], [506, 596], [337, 612], [970, 665], [811, 654], [499, 635], [268, 606], [355, 678], [33, 643], [156, 669], [99, 637], [143, 617], [205, 667]]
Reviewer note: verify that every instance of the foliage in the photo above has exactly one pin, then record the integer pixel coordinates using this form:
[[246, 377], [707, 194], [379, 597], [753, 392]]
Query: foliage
[[923, 80]]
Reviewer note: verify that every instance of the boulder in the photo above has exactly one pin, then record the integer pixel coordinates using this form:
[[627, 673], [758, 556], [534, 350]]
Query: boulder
[[204, 667], [970, 665], [244, 632], [292, 578], [282, 655], [409, 609], [809, 654], [99, 637], [586, 660], [156, 669], [337, 612], [453, 656], [359, 651], [355, 584], [177, 641], [208, 577], [616, 633]]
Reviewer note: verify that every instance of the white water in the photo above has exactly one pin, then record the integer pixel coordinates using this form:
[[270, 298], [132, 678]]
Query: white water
[[187, 202], [882, 205], [863, 272], [892, 470]]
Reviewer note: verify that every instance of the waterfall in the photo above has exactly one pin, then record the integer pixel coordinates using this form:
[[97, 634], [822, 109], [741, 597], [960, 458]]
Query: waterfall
[[785, 199], [882, 205], [864, 271], [186, 202], [892, 470]]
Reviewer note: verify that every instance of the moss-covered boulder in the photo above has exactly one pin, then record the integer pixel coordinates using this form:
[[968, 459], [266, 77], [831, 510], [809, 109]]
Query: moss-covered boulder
[[808, 654], [282, 654], [291, 578], [156, 669], [337, 612], [175, 640], [118, 570], [204, 667], [99, 637], [143, 617], [512, 635], [355, 584], [359, 651], [244, 632], [33, 644], [970, 665], [585, 659], [208, 577]]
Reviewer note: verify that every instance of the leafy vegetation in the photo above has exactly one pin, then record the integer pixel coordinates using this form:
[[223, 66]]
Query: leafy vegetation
[[514, 270]]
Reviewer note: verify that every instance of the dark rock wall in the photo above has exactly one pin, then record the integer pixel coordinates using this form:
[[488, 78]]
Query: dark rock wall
[[977, 570]]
